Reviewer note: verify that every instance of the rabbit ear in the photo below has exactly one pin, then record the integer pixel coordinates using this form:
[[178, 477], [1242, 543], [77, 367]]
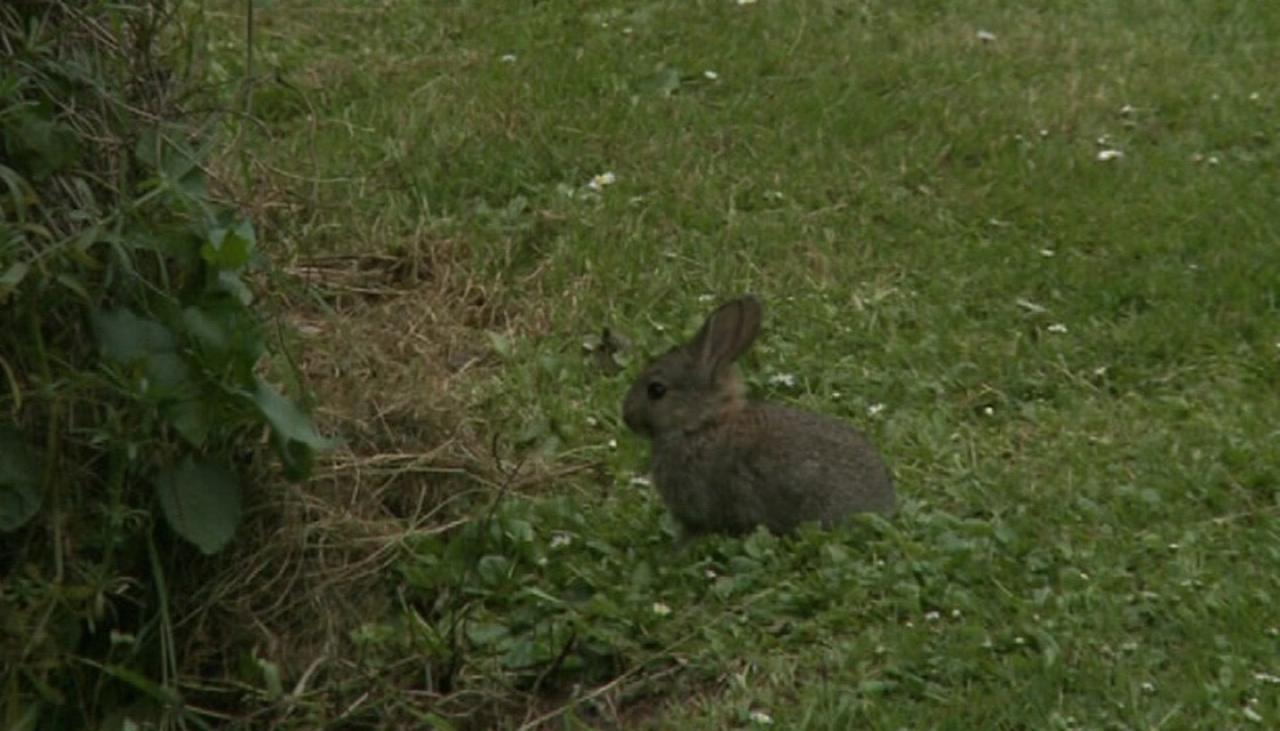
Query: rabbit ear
[[726, 334]]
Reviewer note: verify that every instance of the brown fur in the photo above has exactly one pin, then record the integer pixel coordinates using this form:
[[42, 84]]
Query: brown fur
[[724, 464]]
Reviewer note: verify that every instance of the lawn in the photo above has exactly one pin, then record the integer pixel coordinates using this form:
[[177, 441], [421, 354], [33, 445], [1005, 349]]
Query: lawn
[[1032, 250]]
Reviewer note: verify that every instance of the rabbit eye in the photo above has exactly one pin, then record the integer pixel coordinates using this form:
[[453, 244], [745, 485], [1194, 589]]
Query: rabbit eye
[[656, 390]]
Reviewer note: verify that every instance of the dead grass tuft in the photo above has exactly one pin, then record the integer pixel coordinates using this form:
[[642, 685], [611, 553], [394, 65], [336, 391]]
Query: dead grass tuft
[[394, 351]]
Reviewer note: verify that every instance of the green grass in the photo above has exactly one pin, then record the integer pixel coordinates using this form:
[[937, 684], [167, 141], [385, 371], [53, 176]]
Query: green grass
[[1078, 361]]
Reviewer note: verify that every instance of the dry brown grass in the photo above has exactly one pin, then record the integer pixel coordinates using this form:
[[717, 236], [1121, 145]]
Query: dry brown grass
[[387, 328], [393, 351]]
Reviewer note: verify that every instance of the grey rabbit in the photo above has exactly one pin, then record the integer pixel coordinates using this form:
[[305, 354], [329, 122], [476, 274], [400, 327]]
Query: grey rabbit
[[725, 464]]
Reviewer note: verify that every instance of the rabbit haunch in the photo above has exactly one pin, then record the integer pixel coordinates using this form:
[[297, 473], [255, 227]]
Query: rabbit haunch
[[726, 464]]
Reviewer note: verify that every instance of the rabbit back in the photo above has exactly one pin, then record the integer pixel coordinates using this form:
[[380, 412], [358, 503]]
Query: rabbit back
[[770, 465]]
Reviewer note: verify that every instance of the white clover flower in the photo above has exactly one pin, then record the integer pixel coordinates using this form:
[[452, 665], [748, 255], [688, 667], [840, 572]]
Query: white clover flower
[[932, 616], [561, 539], [988, 411], [1213, 160], [1047, 253], [1109, 154], [1249, 713], [874, 409], [601, 181], [710, 75], [1255, 96], [1128, 109], [1057, 327], [782, 379], [661, 609], [613, 444], [955, 614], [759, 717], [508, 58], [986, 36], [1148, 687]]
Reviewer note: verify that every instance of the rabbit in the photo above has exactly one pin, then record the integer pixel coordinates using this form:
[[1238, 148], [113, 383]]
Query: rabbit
[[724, 464]]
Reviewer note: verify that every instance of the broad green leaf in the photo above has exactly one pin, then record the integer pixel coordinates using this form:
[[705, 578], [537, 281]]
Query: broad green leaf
[[127, 339], [167, 371], [493, 569], [40, 146], [500, 343], [124, 337], [230, 247], [201, 502], [11, 278], [271, 678], [228, 334], [191, 418], [206, 330], [522, 653], [20, 494], [174, 161], [178, 242], [520, 530], [230, 282], [287, 419], [486, 634], [19, 192], [836, 553]]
